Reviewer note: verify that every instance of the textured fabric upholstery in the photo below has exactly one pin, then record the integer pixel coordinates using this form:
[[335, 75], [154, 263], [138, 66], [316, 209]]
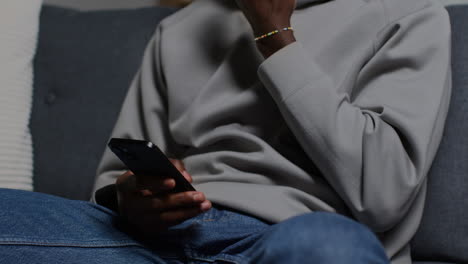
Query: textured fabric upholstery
[[19, 26], [443, 234], [84, 65], [423, 262]]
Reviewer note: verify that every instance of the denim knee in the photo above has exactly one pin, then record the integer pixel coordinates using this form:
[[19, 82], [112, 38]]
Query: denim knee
[[320, 238]]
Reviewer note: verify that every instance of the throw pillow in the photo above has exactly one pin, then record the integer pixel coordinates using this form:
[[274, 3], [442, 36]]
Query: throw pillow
[[19, 23]]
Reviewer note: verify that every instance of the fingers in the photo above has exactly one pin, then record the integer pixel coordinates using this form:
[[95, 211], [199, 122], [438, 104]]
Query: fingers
[[162, 186], [150, 214], [187, 176], [168, 202], [178, 164], [129, 184], [181, 167], [151, 185], [151, 224], [125, 179], [178, 216], [126, 183], [178, 200], [171, 202], [160, 213], [154, 184]]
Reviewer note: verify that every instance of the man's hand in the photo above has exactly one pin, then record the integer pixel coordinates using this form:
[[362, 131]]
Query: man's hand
[[268, 15], [152, 209]]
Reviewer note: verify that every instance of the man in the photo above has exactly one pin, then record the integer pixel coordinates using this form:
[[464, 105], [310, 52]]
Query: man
[[331, 117]]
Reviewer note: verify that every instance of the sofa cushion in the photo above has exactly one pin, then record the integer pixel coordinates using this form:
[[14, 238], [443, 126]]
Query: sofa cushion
[[84, 64], [418, 262], [443, 234]]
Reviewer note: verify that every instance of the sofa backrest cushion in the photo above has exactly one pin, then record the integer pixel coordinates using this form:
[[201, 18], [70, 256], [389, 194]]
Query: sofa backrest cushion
[[443, 234], [84, 65]]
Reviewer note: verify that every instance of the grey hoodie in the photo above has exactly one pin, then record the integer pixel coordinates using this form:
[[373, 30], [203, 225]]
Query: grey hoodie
[[347, 119]]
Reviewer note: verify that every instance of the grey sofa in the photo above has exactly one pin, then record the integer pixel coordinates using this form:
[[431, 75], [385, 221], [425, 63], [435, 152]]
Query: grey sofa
[[86, 61]]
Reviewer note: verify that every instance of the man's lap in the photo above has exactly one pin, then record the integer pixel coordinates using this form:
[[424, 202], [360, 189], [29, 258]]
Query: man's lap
[[68, 228], [29, 220], [35, 218]]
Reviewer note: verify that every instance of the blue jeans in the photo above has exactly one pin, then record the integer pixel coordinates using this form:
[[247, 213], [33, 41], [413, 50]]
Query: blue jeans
[[39, 228]]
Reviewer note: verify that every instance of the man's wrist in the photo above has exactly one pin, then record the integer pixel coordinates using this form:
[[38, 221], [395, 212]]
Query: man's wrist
[[269, 45]]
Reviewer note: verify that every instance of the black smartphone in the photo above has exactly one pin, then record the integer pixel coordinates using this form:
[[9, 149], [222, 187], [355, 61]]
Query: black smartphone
[[145, 159]]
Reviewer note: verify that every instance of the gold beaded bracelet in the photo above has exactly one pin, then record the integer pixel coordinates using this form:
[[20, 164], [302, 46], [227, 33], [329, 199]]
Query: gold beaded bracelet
[[273, 33]]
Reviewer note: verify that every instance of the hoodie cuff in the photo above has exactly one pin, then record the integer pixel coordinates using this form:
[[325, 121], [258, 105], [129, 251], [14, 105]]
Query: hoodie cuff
[[107, 197], [288, 70]]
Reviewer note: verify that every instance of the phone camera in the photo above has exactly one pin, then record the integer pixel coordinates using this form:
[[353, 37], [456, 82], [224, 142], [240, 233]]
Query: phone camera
[[125, 152], [121, 150]]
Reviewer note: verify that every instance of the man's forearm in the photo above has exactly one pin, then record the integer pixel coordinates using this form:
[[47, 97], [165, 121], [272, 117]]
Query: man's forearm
[[266, 16]]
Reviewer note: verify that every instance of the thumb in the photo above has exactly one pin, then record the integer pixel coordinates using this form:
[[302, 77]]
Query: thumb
[[180, 166], [187, 176]]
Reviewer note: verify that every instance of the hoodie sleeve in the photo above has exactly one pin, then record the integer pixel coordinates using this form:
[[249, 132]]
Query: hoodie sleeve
[[143, 116], [376, 149]]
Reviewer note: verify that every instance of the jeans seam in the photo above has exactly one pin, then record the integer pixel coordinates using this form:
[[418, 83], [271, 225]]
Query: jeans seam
[[238, 259], [27, 243], [69, 242], [201, 259], [59, 239]]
